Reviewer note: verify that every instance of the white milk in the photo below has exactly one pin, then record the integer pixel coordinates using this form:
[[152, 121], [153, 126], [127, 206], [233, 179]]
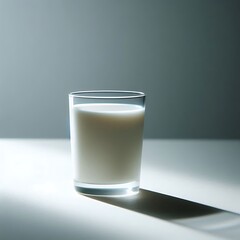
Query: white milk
[[106, 142]]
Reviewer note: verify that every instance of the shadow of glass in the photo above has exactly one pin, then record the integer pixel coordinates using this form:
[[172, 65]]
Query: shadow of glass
[[159, 205]]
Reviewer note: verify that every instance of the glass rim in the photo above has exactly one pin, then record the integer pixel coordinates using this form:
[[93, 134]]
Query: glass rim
[[89, 94]]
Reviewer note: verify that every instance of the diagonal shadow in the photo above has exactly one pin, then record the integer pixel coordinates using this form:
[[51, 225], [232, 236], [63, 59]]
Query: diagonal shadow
[[159, 205]]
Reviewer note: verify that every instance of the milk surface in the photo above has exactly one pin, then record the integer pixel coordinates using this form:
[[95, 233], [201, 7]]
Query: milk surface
[[106, 142]]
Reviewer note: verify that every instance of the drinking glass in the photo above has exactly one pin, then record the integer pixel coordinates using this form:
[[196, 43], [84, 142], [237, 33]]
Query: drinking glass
[[106, 128]]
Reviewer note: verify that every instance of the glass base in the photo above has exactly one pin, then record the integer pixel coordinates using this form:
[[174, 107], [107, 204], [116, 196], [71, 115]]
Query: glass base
[[107, 190]]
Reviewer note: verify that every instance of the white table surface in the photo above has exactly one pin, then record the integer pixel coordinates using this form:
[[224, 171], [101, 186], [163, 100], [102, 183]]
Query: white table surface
[[38, 201]]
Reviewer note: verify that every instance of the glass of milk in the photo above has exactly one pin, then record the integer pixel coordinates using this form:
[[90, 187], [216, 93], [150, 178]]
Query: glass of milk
[[106, 129]]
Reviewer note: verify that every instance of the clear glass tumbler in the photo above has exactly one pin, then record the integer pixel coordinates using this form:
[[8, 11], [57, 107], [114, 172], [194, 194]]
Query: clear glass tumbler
[[106, 129]]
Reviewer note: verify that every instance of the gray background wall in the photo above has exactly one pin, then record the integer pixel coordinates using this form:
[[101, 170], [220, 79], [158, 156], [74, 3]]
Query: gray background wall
[[184, 54]]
